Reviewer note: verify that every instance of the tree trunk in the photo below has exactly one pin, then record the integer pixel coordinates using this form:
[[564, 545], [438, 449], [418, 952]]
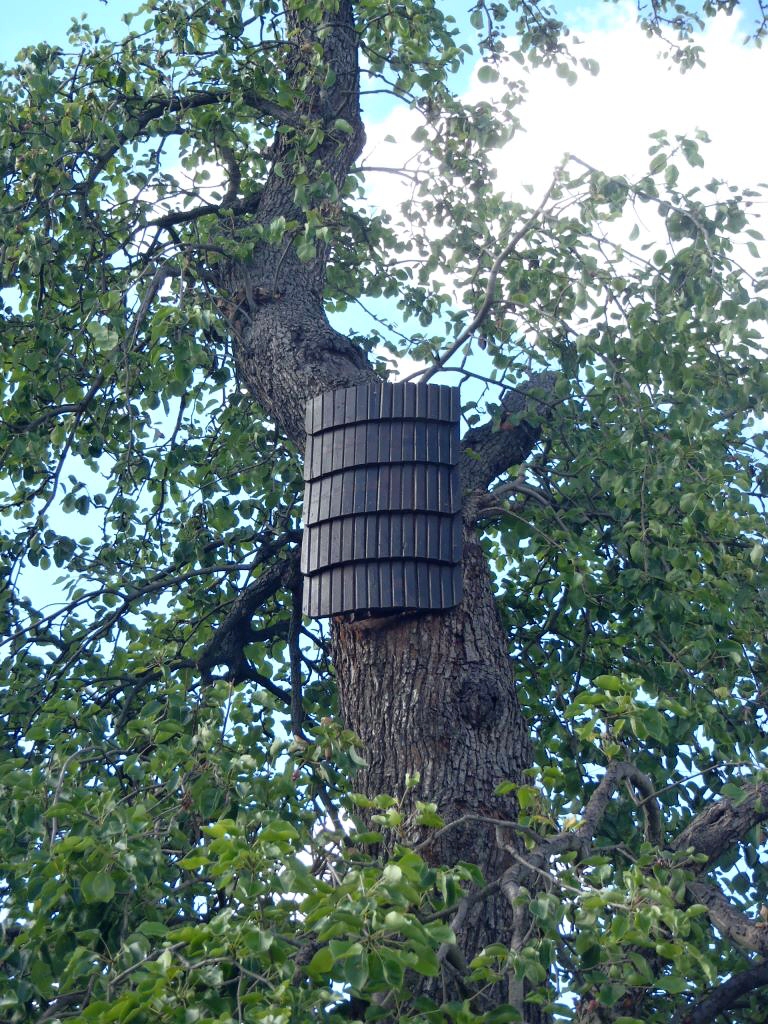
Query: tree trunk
[[432, 694]]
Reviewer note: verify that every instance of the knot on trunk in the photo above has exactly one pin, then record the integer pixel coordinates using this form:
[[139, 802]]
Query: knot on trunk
[[478, 696]]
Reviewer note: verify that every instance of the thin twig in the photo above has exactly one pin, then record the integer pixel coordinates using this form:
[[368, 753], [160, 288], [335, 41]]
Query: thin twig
[[482, 313]]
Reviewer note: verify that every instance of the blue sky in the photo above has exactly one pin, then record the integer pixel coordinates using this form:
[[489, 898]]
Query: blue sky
[[605, 121], [48, 20]]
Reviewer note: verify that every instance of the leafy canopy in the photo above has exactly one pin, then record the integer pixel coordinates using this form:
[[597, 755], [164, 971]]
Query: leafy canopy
[[170, 852]]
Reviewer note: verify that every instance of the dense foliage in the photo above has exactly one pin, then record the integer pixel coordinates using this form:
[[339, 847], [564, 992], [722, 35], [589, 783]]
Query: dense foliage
[[181, 839]]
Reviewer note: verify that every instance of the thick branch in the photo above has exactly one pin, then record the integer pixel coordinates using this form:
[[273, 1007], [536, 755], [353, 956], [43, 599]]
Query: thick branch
[[294, 652], [488, 451], [580, 839], [157, 107], [616, 773], [727, 995], [712, 833], [725, 823], [232, 206], [728, 920], [226, 647]]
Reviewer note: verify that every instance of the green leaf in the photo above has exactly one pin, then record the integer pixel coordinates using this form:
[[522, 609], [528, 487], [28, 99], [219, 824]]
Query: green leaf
[[487, 74], [733, 792], [321, 963], [673, 983], [97, 887], [501, 1015], [356, 972], [278, 831], [610, 993]]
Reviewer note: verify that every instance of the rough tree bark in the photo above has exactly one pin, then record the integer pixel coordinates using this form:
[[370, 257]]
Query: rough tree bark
[[427, 693]]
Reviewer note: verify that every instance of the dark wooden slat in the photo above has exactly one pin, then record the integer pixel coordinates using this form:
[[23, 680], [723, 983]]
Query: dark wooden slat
[[382, 499], [435, 589], [410, 588], [454, 501], [308, 602], [317, 454], [324, 498], [350, 406], [325, 593], [347, 504], [371, 536], [326, 407], [408, 450], [371, 489], [421, 441], [385, 401], [372, 593], [409, 401], [445, 402], [335, 529], [347, 527], [385, 497], [339, 406], [334, 580], [422, 580], [450, 538], [371, 443], [358, 533], [382, 535], [455, 405], [311, 418], [408, 485], [431, 549], [418, 487], [361, 402], [307, 549], [396, 441], [423, 535], [434, 490], [373, 402], [348, 588], [358, 434], [360, 477], [424, 545], [362, 573], [387, 584], [398, 584], [397, 402], [406, 537], [394, 536], [444, 431], [335, 485], [421, 401]]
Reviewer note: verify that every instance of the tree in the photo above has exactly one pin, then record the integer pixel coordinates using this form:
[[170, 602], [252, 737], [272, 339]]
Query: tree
[[544, 804]]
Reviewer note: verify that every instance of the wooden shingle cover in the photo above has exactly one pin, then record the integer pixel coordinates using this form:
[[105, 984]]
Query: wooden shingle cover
[[382, 501]]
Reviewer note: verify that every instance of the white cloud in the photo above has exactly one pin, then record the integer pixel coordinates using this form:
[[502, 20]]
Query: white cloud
[[606, 120]]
